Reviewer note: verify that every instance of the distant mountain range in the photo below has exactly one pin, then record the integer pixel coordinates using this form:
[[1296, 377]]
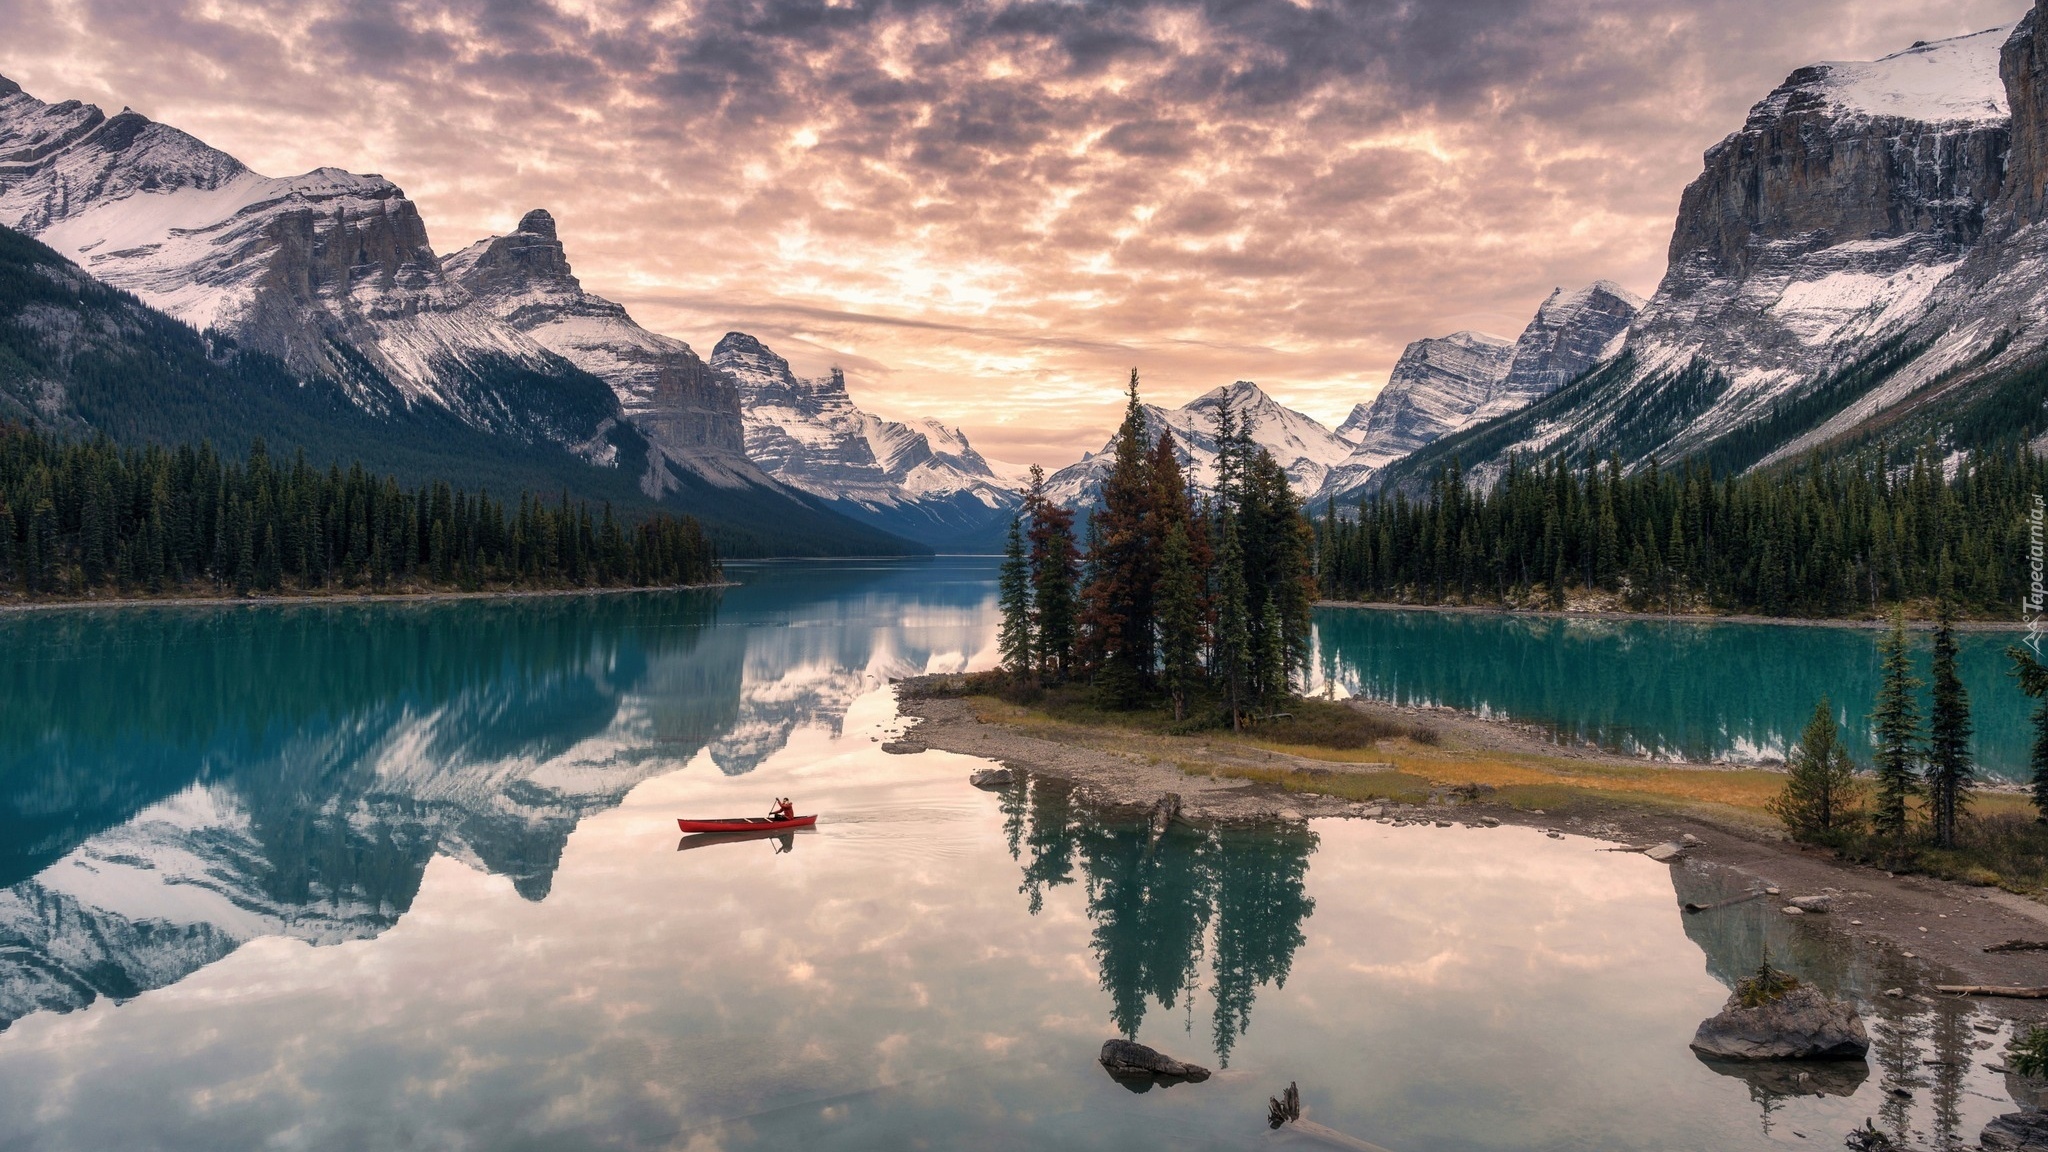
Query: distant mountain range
[[1863, 260]]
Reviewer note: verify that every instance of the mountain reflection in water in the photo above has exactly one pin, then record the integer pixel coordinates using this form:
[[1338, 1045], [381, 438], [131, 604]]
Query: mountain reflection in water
[[176, 782], [408, 875]]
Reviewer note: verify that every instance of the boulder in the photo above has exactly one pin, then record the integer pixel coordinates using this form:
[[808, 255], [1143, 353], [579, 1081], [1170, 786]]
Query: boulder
[[2016, 1132], [1803, 1024], [1127, 1059], [1666, 852], [1814, 903], [992, 777], [903, 748]]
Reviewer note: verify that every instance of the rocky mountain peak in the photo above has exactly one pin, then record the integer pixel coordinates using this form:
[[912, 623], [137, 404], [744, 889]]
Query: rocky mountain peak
[[1571, 333], [528, 259], [539, 222], [8, 87], [2023, 66], [1910, 145]]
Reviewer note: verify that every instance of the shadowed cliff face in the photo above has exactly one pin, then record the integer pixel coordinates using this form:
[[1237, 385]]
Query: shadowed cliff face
[[2023, 65], [688, 412]]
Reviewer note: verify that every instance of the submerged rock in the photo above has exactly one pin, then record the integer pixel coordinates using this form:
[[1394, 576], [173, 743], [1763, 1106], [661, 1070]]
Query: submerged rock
[[1803, 1024], [992, 777], [1127, 1061], [2016, 1132]]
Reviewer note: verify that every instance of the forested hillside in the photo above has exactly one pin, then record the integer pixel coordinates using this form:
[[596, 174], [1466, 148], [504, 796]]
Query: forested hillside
[[80, 519], [1829, 538]]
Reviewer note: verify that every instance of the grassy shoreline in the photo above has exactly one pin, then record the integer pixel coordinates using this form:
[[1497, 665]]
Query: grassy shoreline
[[1364, 752]]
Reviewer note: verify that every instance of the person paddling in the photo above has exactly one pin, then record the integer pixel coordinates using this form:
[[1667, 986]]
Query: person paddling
[[783, 809]]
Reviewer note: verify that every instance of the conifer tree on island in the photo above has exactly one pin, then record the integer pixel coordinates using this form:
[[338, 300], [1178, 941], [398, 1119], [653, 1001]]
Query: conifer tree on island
[[1897, 722], [1200, 598], [1055, 569], [1013, 594], [1949, 769]]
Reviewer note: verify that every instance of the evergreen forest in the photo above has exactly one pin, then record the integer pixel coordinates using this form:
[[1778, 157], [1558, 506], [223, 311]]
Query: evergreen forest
[[1827, 538], [83, 519]]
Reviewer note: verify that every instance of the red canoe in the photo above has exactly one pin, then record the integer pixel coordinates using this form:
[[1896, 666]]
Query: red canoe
[[746, 824]]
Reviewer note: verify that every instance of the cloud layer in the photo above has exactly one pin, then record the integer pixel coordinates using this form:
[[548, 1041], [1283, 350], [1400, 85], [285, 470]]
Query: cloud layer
[[987, 212]]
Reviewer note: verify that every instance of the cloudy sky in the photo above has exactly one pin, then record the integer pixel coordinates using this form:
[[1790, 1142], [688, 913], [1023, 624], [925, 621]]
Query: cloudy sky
[[988, 212]]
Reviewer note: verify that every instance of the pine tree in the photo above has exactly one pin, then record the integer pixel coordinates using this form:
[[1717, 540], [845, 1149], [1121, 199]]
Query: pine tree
[[1274, 679], [1896, 719], [1122, 566], [1055, 571], [1181, 631], [2033, 678], [1013, 595], [1233, 666], [1949, 770], [1820, 795]]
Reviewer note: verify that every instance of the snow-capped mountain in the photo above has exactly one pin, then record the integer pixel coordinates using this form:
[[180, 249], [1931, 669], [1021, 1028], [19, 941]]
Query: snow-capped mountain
[[1305, 448], [330, 271], [921, 480], [1867, 254], [1444, 385], [1435, 388], [688, 412], [332, 274]]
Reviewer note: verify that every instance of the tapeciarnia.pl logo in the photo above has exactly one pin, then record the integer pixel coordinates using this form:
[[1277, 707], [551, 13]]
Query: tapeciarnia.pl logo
[[2034, 605]]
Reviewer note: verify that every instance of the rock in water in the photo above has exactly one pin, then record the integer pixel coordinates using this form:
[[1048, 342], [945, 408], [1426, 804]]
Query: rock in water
[[1803, 1024], [903, 748], [992, 778], [1126, 1058], [2016, 1132], [1666, 852]]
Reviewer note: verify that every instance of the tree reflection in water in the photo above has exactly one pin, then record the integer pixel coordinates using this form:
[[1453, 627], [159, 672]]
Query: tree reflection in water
[[1234, 896], [1923, 1051]]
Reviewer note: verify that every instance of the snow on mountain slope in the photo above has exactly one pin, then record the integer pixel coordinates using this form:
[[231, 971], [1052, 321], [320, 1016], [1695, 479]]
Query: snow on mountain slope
[[1862, 249], [1440, 387], [331, 271], [922, 480], [1435, 387], [1305, 448], [1943, 82], [687, 411]]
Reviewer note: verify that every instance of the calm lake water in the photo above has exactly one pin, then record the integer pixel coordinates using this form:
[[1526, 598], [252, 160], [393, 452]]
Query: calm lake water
[[407, 876], [1665, 689]]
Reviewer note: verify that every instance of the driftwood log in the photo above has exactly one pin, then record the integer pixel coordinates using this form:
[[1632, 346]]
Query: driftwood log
[[1284, 1108], [1993, 990], [1283, 1112]]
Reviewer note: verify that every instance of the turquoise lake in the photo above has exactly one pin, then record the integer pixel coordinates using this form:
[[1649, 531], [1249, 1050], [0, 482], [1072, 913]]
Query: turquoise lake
[[1669, 690], [407, 876]]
